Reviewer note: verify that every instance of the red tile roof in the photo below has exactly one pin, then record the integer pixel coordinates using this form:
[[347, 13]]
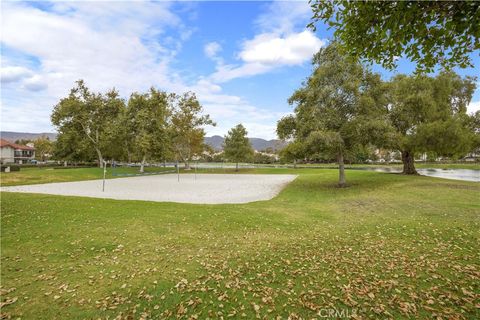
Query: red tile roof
[[5, 143]]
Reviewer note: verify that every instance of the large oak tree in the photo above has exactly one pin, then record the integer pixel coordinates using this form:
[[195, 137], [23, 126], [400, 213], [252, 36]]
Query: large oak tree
[[87, 117], [147, 122], [428, 114], [340, 107]]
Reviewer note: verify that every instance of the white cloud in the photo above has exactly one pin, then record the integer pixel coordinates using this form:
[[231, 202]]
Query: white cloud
[[284, 16], [226, 73], [107, 45], [80, 46], [35, 83], [19, 115], [211, 49], [269, 49], [204, 86], [14, 73], [473, 107], [278, 43]]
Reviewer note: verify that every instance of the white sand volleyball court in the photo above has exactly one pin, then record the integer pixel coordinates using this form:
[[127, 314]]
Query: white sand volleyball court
[[201, 188]]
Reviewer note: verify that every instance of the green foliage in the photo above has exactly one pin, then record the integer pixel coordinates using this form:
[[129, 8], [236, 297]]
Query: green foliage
[[446, 138], [187, 127], [474, 125], [428, 114], [427, 32], [43, 148], [147, 125], [237, 147], [341, 106], [84, 120], [23, 142], [264, 158], [364, 153], [155, 126], [218, 157], [293, 151], [286, 127], [71, 146]]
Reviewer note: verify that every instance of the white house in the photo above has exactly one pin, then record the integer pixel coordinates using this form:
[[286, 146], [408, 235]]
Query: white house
[[15, 153]]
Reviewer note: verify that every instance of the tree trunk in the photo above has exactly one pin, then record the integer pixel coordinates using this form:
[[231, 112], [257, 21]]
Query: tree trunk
[[187, 165], [408, 159], [100, 158], [342, 183], [142, 165], [236, 168], [294, 163]]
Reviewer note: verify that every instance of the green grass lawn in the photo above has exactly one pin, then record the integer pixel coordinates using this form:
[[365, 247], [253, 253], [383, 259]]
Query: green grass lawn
[[389, 246], [46, 175]]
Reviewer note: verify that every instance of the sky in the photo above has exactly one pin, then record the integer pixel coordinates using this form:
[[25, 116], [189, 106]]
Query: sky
[[243, 59]]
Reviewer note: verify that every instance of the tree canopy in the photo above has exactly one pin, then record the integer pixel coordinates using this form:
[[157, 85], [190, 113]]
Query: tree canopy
[[187, 127], [340, 107], [155, 125], [147, 123], [43, 148], [236, 146], [428, 114], [427, 32], [87, 117]]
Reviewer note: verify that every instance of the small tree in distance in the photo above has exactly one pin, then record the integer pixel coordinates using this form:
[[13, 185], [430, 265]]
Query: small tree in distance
[[236, 146], [83, 119], [43, 148], [187, 127]]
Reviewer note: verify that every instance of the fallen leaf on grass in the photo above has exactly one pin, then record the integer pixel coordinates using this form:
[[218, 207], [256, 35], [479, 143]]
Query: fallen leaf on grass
[[8, 302]]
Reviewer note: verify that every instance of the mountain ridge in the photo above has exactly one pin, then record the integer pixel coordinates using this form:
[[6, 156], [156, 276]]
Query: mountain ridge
[[13, 135]]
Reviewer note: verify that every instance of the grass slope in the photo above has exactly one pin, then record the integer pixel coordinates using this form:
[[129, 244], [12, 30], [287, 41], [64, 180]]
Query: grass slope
[[390, 246]]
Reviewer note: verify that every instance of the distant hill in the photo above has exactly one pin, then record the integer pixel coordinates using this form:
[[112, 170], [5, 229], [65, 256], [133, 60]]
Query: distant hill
[[216, 142], [13, 136]]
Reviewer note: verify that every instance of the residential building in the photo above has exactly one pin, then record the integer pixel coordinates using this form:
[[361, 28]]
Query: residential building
[[15, 153]]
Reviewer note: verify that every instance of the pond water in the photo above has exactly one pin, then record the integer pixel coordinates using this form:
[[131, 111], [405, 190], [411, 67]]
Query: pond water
[[455, 174]]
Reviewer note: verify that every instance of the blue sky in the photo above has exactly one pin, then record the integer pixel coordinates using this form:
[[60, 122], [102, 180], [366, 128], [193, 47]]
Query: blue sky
[[243, 59]]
